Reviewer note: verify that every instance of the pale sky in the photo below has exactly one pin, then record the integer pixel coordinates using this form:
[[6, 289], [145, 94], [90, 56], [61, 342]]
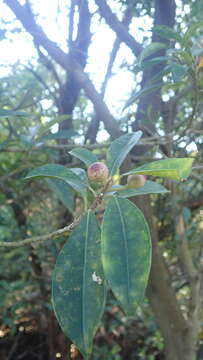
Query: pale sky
[[19, 47]]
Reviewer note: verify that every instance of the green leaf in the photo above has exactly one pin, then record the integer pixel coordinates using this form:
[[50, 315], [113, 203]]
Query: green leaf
[[167, 33], [119, 149], [178, 71], [126, 252], [191, 31], [78, 287], [63, 191], [196, 50], [151, 49], [173, 86], [144, 91], [81, 173], [11, 113], [44, 128], [157, 60], [65, 134], [183, 56], [172, 168], [59, 172], [84, 155], [155, 82], [150, 187]]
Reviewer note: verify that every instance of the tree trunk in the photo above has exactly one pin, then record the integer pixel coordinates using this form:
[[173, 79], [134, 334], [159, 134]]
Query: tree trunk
[[179, 337]]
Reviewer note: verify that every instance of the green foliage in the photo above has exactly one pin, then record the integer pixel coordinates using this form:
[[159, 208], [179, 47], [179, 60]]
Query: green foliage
[[84, 155], [191, 31], [146, 90], [119, 150], [78, 284], [126, 252], [149, 50], [9, 113], [64, 192], [150, 187], [177, 71], [167, 33], [65, 134], [122, 251], [41, 130], [176, 169], [178, 65], [59, 172]]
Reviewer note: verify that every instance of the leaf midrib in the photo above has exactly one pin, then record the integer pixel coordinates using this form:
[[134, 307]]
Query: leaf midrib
[[126, 250]]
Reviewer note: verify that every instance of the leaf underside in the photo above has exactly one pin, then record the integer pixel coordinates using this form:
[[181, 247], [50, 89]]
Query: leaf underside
[[150, 187], [171, 168]]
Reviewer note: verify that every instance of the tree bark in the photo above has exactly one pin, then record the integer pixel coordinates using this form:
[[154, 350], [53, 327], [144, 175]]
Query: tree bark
[[179, 338]]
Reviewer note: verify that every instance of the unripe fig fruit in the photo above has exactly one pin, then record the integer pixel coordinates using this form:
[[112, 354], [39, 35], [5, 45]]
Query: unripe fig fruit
[[97, 172], [136, 181]]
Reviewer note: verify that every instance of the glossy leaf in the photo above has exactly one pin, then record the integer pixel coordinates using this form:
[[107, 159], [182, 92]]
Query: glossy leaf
[[84, 155], [63, 191], [192, 30], [183, 56], [65, 134], [150, 187], [156, 60], [178, 71], [78, 284], [173, 86], [59, 172], [119, 150], [126, 252], [146, 90], [57, 119], [171, 168], [81, 173], [151, 49], [167, 33]]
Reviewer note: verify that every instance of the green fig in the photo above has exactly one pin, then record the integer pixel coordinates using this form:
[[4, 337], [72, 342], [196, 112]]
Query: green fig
[[136, 181]]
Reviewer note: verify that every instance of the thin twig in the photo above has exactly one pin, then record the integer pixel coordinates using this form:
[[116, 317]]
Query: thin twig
[[43, 82], [38, 239], [154, 140], [67, 229]]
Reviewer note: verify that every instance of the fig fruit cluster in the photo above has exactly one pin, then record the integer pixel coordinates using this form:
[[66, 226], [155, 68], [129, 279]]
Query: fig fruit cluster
[[98, 172]]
